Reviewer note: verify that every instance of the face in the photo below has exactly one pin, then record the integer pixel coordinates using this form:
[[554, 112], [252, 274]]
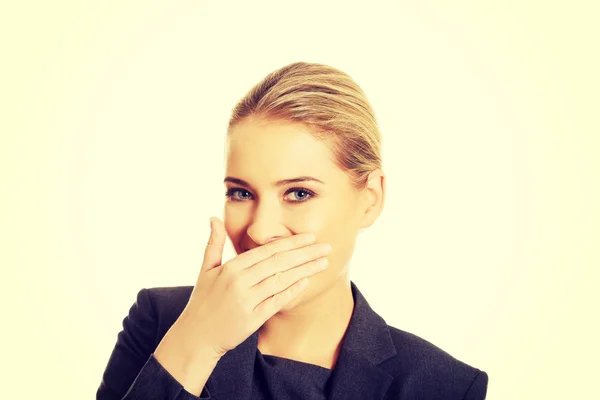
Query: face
[[263, 203]]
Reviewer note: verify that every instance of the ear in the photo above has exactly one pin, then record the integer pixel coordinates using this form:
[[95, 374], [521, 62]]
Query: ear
[[374, 198]]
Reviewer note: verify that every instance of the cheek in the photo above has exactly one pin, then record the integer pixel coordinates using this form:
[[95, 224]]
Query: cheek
[[234, 221], [307, 219], [322, 220], [336, 226]]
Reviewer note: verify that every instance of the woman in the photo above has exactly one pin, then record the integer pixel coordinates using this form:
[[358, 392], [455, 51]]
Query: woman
[[282, 320]]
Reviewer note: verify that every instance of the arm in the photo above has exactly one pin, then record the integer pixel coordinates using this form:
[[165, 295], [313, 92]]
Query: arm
[[478, 388], [133, 371]]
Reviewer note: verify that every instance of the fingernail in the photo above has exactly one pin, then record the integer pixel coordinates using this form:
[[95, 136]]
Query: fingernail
[[322, 262]]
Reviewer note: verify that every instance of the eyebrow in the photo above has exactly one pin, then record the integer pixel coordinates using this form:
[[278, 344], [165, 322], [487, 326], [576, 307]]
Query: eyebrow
[[281, 182]]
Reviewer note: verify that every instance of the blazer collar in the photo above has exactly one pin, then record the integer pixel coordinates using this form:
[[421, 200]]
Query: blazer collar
[[356, 375]]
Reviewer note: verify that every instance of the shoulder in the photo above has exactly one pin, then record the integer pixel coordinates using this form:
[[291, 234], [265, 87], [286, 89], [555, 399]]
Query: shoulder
[[150, 317], [160, 307], [169, 299], [423, 369]]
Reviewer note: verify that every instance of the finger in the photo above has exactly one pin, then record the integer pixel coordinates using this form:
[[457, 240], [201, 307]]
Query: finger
[[283, 261], [271, 306], [263, 252], [213, 254], [279, 281]]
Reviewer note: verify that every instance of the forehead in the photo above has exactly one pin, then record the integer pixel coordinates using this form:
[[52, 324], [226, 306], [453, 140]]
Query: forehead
[[260, 149]]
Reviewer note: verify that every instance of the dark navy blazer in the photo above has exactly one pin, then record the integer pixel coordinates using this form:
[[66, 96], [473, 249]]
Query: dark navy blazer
[[376, 361]]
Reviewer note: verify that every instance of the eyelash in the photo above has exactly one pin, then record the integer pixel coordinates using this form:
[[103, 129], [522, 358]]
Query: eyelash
[[230, 192]]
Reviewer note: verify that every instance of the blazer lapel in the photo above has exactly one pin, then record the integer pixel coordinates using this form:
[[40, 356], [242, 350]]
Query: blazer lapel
[[367, 343], [356, 375]]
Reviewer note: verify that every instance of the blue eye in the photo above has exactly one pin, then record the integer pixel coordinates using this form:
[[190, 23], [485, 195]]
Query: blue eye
[[300, 194], [230, 194], [306, 194]]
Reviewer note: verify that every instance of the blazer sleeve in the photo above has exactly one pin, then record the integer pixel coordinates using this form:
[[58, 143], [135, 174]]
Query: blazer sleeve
[[478, 388], [132, 372]]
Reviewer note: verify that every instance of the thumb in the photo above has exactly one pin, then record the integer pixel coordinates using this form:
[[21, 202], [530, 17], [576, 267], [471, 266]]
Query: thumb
[[213, 254]]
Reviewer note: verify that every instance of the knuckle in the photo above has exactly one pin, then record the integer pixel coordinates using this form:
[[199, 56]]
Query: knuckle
[[235, 284], [226, 269], [281, 279], [278, 258], [276, 299], [265, 250]]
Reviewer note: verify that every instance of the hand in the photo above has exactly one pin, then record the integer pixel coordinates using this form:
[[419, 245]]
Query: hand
[[231, 301]]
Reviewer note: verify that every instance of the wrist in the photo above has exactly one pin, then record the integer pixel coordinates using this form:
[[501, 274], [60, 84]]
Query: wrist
[[191, 333]]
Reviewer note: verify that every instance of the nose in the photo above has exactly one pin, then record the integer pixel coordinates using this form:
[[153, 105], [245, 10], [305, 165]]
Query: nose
[[266, 224]]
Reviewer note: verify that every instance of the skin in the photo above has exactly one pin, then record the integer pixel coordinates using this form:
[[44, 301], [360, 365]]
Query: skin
[[262, 152]]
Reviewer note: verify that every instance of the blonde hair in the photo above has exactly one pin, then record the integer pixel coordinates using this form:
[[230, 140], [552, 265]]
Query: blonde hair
[[326, 100]]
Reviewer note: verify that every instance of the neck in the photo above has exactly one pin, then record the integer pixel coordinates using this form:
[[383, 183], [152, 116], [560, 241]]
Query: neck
[[313, 330]]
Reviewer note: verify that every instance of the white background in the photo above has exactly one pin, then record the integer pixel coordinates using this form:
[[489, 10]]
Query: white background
[[112, 162]]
